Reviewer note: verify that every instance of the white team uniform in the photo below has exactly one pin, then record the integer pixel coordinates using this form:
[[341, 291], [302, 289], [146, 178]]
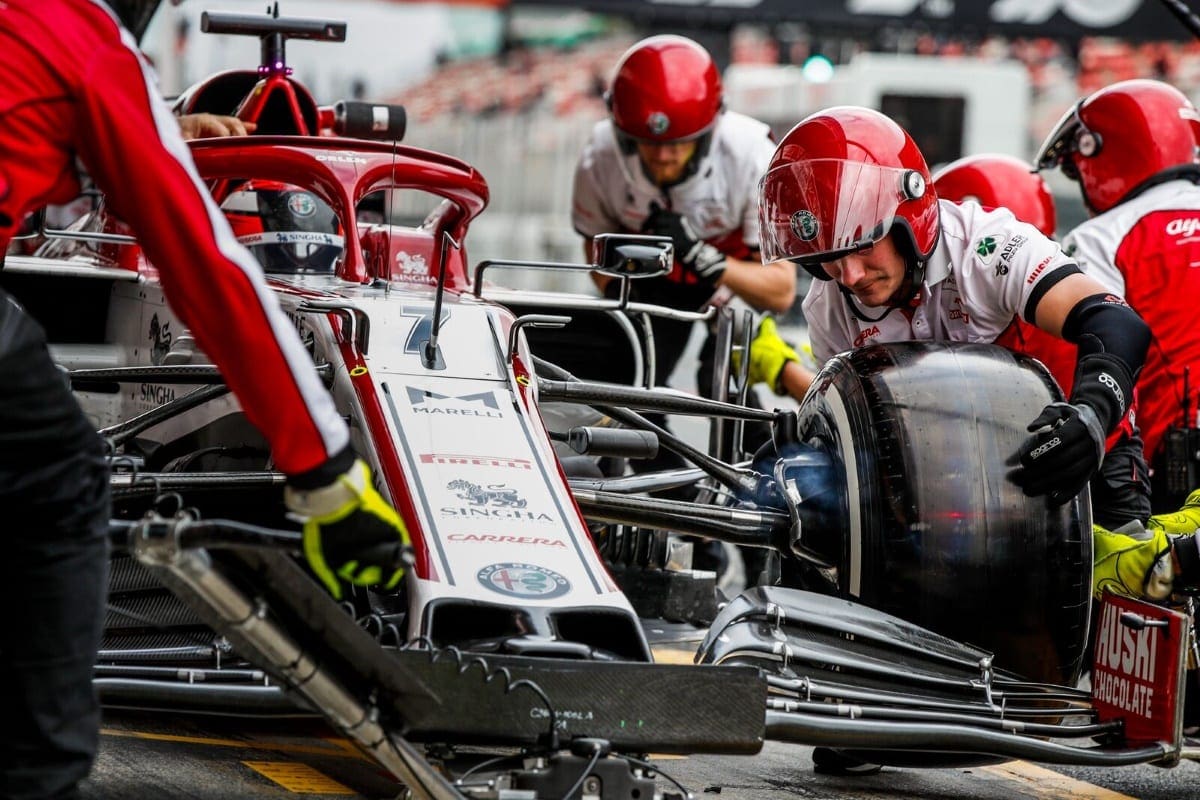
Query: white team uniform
[[612, 193], [983, 272]]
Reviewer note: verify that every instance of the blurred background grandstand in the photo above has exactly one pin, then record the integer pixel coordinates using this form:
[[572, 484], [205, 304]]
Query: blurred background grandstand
[[513, 87]]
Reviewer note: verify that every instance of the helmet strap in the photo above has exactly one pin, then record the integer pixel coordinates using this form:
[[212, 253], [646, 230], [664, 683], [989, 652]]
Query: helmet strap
[[914, 278], [628, 146], [857, 312], [914, 265]]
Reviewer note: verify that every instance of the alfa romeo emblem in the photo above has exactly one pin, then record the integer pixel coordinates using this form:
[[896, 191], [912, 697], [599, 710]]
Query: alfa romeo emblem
[[523, 580], [805, 225], [302, 204], [658, 122]]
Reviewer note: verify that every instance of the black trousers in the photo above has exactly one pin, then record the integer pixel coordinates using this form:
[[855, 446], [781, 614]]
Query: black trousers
[[53, 572], [1121, 487]]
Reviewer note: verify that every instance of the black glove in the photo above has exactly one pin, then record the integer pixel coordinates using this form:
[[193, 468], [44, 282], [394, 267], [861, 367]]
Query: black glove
[[1068, 439], [696, 256]]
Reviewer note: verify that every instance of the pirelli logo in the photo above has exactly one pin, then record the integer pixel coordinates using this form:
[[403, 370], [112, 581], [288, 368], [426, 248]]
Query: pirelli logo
[[477, 461]]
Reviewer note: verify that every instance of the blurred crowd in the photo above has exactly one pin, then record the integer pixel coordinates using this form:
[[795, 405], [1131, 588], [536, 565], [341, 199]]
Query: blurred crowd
[[569, 81]]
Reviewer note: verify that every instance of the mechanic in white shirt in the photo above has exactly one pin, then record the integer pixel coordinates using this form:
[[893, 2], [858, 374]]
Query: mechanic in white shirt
[[671, 161], [848, 196]]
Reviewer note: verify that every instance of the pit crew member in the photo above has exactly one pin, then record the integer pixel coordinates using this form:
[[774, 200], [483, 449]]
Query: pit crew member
[[671, 161], [1132, 149], [848, 196], [1121, 488], [85, 95]]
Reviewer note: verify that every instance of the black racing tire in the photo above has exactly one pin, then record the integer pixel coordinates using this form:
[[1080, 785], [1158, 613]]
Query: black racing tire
[[930, 528]]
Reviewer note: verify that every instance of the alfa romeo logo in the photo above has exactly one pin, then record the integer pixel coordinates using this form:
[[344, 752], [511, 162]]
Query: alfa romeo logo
[[523, 580], [302, 204], [805, 225], [658, 122]]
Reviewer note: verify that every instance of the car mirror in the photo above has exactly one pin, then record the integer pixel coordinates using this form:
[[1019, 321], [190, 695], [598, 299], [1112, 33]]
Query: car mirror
[[622, 255]]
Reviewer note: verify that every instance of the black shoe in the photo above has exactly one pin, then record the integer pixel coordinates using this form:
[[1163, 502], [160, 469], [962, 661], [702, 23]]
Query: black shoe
[[827, 761]]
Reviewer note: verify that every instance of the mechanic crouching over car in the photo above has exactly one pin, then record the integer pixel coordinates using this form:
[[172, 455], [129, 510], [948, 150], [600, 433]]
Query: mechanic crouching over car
[[84, 93], [848, 196]]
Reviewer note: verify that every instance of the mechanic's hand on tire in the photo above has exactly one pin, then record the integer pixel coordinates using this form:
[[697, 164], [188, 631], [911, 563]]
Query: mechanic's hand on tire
[[1063, 453], [696, 256], [769, 354], [1132, 561], [351, 534]]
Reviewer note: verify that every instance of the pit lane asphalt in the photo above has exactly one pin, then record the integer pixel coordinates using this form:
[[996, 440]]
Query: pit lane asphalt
[[167, 756], [147, 756]]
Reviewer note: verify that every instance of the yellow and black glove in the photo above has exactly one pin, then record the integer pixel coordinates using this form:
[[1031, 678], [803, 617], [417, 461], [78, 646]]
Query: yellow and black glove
[[1153, 561], [1132, 561], [769, 354], [351, 534]]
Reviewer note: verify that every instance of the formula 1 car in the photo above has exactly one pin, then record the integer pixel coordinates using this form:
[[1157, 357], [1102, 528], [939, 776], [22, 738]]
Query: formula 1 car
[[922, 610]]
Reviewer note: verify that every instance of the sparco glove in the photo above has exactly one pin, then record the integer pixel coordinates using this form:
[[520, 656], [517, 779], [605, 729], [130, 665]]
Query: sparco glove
[[1067, 444], [696, 256], [1153, 561], [350, 532], [769, 354]]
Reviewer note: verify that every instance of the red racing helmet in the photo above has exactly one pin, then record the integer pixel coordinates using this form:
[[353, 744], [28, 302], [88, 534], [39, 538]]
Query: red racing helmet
[[665, 89], [999, 181], [287, 228], [1122, 136], [841, 180]]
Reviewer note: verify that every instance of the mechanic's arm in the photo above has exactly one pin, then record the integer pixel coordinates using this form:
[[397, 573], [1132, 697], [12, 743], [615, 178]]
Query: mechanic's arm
[[1067, 445], [775, 363], [771, 287], [795, 379], [135, 152], [1153, 561]]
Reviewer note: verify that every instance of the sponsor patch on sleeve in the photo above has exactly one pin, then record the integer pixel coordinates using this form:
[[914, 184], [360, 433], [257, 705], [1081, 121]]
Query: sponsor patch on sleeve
[[986, 247]]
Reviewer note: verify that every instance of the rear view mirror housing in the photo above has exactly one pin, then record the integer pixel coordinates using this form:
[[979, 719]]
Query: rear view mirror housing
[[633, 256]]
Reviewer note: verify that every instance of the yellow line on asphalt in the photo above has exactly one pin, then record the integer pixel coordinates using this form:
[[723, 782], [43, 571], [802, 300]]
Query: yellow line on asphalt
[[1045, 783], [338, 752], [344, 744], [298, 778]]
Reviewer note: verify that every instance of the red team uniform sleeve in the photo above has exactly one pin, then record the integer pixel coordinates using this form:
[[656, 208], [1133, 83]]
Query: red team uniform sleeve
[[135, 153]]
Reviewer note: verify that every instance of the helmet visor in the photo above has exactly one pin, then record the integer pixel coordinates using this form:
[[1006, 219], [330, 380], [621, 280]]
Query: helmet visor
[[820, 210], [1064, 139]]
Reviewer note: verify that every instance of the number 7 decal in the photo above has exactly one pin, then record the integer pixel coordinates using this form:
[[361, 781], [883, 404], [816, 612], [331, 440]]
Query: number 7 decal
[[422, 329]]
